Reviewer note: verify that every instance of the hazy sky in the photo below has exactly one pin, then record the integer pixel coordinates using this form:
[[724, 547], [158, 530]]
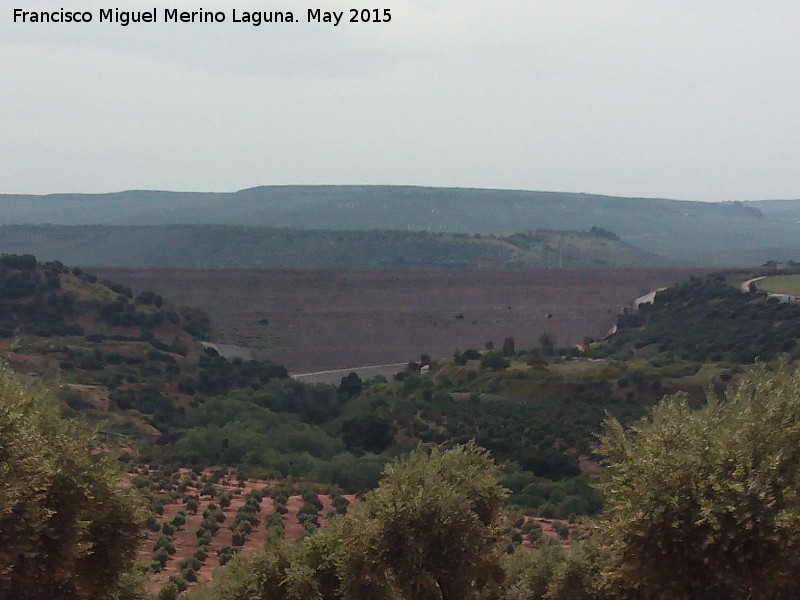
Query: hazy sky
[[680, 99]]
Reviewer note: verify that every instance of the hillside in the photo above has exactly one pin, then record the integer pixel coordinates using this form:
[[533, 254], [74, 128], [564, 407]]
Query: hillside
[[314, 320], [709, 320], [220, 246], [730, 233], [130, 365]]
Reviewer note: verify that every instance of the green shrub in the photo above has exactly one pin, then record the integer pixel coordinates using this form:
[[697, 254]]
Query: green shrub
[[561, 529], [190, 563], [238, 538], [532, 530], [164, 542], [152, 523], [161, 556]]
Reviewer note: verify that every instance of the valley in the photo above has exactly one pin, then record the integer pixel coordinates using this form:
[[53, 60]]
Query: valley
[[321, 320]]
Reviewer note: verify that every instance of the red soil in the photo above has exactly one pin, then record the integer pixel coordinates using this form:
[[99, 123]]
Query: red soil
[[185, 539], [548, 529]]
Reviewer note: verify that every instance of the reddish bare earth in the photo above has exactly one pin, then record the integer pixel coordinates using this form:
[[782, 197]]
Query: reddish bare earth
[[185, 538], [548, 530], [315, 320]]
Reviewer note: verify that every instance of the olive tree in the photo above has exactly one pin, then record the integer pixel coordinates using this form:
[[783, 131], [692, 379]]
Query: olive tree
[[429, 531], [68, 530], [706, 503]]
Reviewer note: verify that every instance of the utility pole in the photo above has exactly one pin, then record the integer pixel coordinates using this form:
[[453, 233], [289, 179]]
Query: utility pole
[[560, 258]]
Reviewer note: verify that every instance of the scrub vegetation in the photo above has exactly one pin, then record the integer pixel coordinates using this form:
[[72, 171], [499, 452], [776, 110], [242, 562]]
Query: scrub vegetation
[[649, 465]]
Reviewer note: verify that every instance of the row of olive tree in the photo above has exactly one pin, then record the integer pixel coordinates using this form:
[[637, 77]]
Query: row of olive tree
[[429, 531], [700, 504]]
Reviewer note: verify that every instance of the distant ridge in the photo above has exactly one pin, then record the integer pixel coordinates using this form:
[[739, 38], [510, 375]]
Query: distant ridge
[[727, 233], [229, 246]]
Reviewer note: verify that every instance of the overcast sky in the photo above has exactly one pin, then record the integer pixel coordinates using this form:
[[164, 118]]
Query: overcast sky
[[696, 100]]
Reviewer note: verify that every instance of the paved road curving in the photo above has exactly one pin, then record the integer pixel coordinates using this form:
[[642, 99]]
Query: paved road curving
[[335, 375]]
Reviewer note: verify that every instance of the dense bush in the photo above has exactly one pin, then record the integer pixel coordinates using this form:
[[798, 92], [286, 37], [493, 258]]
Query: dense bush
[[59, 497], [708, 320]]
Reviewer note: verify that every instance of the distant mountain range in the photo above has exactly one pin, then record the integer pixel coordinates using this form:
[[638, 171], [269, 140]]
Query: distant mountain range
[[727, 233]]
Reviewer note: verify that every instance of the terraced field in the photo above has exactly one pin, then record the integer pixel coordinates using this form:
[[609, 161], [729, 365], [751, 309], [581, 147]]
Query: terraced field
[[180, 545], [186, 540]]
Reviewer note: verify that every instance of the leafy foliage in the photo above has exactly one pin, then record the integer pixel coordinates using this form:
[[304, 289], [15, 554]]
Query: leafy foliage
[[368, 433], [430, 531], [67, 528], [706, 503]]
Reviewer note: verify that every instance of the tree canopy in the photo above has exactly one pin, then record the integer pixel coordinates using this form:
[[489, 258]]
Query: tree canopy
[[68, 528], [706, 503], [430, 531]]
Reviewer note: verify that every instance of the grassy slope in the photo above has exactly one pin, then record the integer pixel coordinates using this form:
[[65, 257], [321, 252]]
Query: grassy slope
[[703, 233], [781, 284]]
